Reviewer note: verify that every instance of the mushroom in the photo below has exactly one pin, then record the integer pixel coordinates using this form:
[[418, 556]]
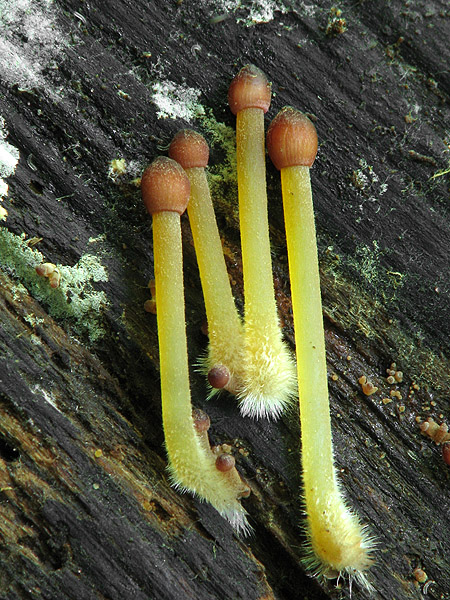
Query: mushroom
[[338, 542], [270, 381], [226, 341], [192, 464]]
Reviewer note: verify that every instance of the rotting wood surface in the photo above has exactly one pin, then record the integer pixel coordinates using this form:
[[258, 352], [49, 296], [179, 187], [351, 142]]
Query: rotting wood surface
[[86, 509]]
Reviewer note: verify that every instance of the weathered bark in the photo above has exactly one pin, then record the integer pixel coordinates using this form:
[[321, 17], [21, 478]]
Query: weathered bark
[[86, 510]]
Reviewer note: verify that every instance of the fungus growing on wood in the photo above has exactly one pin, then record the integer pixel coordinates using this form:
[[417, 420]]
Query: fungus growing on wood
[[338, 542], [51, 272], [367, 387], [192, 464], [226, 342], [270, 382], [438, 433]]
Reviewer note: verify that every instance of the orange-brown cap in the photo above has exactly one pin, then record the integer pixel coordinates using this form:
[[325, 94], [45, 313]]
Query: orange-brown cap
[[189, 148], [291, 139], [249, 89], [165, 186]]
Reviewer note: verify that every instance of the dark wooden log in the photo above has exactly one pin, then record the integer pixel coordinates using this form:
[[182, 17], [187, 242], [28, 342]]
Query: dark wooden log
[[86, 509]]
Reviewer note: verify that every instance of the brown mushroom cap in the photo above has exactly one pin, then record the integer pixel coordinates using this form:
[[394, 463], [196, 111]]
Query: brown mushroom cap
[[189, 148], [165, 186], [249, 89], [291, 139]]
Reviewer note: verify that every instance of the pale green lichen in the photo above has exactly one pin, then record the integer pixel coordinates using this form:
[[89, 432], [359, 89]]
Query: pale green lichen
[[367, 262], [75, 299]]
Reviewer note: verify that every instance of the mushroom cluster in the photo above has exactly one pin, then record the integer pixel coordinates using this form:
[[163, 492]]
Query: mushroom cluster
[[248, 357]]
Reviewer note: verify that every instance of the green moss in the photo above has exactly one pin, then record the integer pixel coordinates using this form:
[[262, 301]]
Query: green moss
[[222, 177], [368, 310], [75, 299], [367, 263]]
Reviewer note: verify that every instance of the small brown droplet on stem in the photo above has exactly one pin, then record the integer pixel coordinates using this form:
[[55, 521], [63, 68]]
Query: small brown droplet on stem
[[225, 462], [218, 376], [150, 305], [204, 327], [201, 420]]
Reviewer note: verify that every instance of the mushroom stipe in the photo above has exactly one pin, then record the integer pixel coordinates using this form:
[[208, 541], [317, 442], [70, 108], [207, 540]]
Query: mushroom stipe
[[269, 368]]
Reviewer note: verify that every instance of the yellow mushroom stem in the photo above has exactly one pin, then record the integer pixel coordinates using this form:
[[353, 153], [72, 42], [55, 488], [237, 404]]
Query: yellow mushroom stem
[[226, 340], [191, 461], [224, 324], [173, 357], [337, 538], [270, 381], [338, 541], [260, 305]]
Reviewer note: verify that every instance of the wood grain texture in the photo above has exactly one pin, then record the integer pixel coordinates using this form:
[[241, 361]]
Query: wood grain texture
[[79, 370]]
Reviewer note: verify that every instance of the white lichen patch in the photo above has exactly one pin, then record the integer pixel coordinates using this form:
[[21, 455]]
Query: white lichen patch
[[30, 41], [117, 168], [75, 299], [251, 12], [9, 157], [176, 101], [32, 320], [366, 180]]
